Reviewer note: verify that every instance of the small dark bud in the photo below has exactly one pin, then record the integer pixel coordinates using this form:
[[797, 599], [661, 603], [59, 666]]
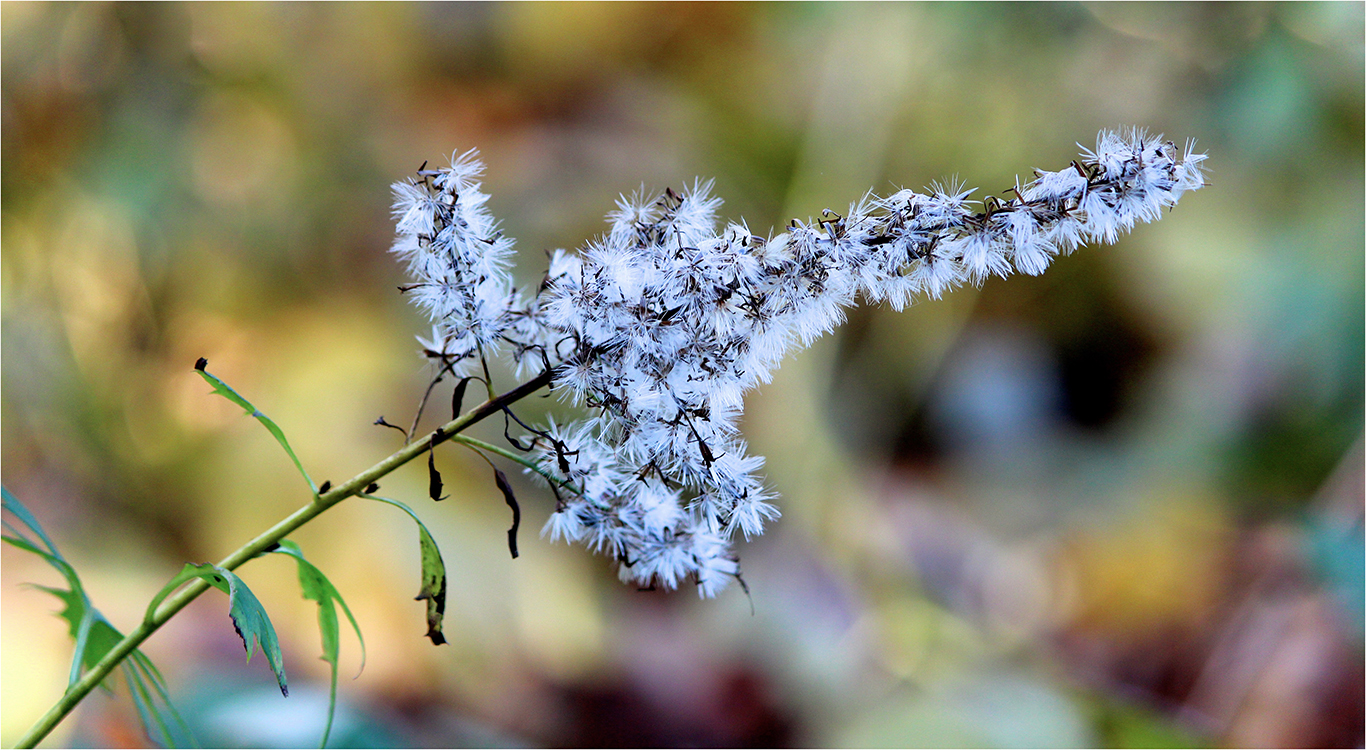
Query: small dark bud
[[200, 364], [324, 487], [372, 488]]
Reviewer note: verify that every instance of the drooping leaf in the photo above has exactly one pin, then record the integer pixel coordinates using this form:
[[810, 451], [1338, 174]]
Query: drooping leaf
[[147, 689], [144, 673], [12, 504], [433, 476], [95, 636], [249, 618], [224, 390], [318, 588], [433, 574], [458, 397], [501, 479]]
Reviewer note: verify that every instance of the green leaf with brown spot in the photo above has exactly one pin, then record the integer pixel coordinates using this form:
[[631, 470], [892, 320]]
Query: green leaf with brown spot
[[433, 589]]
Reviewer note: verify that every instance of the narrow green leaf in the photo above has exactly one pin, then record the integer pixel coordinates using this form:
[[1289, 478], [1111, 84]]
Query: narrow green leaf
[[150, 675], [147, 713], [249, 618], [318, 588], [226, 391], [56, 561], [84, 625], [162, 723], [138, 691], [12, 504], [433, 589]]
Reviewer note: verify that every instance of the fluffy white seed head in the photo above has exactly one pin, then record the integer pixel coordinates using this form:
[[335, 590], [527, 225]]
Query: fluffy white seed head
[[663, 324]]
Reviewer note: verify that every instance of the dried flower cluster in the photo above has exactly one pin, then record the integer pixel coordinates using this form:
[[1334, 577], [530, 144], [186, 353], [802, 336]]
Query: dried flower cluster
[[662, 325]]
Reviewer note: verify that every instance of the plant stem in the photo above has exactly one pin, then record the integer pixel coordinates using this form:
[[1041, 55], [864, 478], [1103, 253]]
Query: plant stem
[[267, 540], [523, 460]]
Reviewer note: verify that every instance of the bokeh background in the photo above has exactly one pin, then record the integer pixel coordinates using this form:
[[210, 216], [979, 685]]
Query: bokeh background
[[1117, 505]]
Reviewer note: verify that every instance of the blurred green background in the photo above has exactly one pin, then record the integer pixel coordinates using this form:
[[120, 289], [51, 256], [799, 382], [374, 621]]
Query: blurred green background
[[1119, 504]]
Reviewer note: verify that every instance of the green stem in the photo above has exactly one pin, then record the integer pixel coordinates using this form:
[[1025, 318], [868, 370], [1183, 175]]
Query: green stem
[[266, 540], [523, 460]]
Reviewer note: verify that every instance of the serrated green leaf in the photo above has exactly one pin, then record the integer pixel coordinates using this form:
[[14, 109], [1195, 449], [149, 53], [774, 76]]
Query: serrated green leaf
[[226, 391], [95, 636], [79, 613], [249, 618], [318, 588], [433, 589]]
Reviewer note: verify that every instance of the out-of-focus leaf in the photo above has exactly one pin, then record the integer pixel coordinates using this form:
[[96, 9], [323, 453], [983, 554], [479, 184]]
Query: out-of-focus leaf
[[433, 574], [1125, 726], [12, 504], [95, 636], [318, 588], [249, 618], [148, 689], [224, 390], [79, 613]]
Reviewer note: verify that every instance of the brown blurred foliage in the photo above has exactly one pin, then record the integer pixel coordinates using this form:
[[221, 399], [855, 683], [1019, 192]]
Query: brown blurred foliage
[[1119, 504]]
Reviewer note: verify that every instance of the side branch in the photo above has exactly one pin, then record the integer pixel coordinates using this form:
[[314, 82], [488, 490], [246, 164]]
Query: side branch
[[265, 541]]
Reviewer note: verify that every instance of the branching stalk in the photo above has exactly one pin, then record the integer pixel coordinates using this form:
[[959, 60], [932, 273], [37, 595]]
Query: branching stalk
[[265, 541], [529, 463]]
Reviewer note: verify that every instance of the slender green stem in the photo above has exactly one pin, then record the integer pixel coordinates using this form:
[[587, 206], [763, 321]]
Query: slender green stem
[[523, 460], [265, 541]]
